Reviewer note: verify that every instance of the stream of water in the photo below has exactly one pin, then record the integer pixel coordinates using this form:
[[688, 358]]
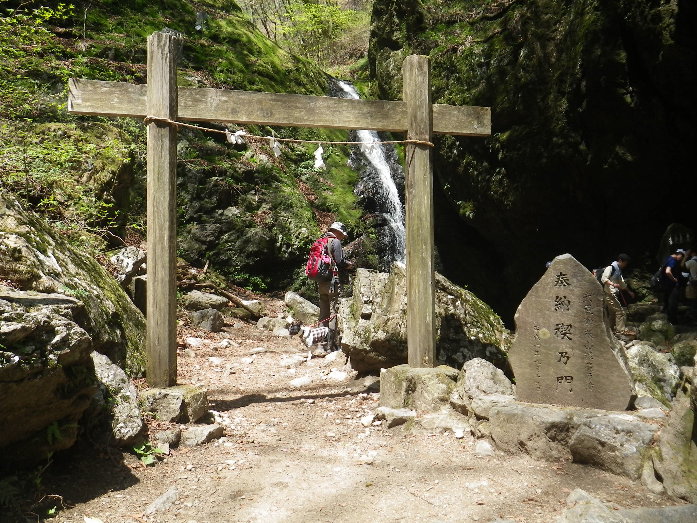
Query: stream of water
[[383, 190]]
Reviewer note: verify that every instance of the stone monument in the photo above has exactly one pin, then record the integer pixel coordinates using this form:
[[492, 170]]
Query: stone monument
[[564, 352]]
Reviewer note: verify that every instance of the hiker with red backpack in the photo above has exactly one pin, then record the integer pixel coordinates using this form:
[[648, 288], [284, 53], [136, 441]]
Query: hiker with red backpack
[[324, 265], [613, 284]]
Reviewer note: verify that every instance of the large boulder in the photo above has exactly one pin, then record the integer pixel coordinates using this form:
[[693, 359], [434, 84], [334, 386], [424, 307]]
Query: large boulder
[[46, 374], [676, 458], [654, 372], [372, 323], [34, 258]]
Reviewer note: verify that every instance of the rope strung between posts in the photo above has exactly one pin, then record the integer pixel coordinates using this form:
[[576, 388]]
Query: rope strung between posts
[[239, 137]]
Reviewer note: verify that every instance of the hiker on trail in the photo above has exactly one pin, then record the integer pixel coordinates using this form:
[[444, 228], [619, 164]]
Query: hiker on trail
[[613, 285], [691, 288], [329, 290], [672, 283]]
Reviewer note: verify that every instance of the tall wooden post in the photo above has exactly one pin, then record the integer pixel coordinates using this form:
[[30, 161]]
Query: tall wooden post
[[421, 336], [161, 330]]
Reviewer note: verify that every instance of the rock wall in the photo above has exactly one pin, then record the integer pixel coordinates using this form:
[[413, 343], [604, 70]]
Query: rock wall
[[590, 109], [33, 257]]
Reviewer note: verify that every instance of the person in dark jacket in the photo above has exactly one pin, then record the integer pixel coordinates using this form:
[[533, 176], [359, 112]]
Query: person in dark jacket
[[672, 283], [329, 290]]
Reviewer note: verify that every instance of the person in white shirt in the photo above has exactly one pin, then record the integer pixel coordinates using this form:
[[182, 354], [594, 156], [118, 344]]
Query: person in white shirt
[[613, 284]]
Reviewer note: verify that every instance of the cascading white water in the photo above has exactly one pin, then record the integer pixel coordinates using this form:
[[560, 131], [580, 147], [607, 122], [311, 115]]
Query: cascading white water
[[393, 209]]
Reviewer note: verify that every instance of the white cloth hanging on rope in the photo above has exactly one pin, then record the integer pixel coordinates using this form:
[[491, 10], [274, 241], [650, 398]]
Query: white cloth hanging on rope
[[319, 162]]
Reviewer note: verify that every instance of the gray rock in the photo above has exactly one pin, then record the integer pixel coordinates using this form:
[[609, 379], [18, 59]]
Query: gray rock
[[164, 502], [483, 448], [208, 319], [649, 480], [647, 402], [46, 374], [169, 437], [44, 262], [584, 508], [656, 330], [481, 383], [676, 461], [183, 403], [684, 353], [373, 323], [564, 352], [444, 420], [674, 514], [301, 309], [541, 431], [127, 425], [197, 300], [613, 442], [421, 389], [130, 262], [394, 417], [200, 434], [271, 323], [656, 375]]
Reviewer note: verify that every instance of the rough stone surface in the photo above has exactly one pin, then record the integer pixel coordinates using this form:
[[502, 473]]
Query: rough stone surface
[[657, 330], [127, 425], [676, 460], [35, 258], [421, 389], [46, 374], [130, 262], [197, 300], [684, 352], [183, 403], [302, 309], [208, 319], [372, 323], [564, 352], [394, 417], [200, 434], [655, 374], [479, 381], [271, 323], [612, 442]]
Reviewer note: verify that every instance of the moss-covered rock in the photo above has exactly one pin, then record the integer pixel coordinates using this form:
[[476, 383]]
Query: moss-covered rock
[[373, 323], [33, 257], [565, 81]]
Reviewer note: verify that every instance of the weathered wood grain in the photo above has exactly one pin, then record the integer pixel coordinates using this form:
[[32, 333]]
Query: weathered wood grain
[[245, 107], [421, 334], [161, 328]]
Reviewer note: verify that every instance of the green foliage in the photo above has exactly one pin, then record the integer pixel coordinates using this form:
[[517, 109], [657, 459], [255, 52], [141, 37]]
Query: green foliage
[[147, 454]]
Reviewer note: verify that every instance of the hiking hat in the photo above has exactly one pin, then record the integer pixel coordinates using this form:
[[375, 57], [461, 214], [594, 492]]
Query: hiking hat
[[338, 226], [679, 251]]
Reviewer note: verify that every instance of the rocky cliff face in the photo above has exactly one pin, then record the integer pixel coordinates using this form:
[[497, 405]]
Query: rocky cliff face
[[592, 126]]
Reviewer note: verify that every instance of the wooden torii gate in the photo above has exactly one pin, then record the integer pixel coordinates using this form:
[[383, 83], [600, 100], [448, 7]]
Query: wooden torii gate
[[161, 102]]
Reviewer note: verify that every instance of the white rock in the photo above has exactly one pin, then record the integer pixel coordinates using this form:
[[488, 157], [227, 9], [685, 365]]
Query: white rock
[[301, 382], [337, 375], [254, 306], [193, 343], [367, 421], [257, 350], [483, 448], [247, 360], [215, 361], [337, 355]]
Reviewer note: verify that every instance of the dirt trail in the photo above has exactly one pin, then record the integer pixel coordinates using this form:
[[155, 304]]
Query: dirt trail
[[299, 454]]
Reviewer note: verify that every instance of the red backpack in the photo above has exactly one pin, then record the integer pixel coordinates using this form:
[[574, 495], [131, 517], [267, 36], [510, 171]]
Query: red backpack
[[319, 262]]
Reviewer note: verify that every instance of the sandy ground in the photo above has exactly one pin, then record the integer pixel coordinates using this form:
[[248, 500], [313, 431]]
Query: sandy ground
[[301, 452]]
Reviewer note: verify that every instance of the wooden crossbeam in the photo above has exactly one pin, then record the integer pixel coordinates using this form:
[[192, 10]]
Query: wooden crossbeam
[[297, 110]]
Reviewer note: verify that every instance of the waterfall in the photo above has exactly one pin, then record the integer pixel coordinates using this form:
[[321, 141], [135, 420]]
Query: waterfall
[[378, 186]]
